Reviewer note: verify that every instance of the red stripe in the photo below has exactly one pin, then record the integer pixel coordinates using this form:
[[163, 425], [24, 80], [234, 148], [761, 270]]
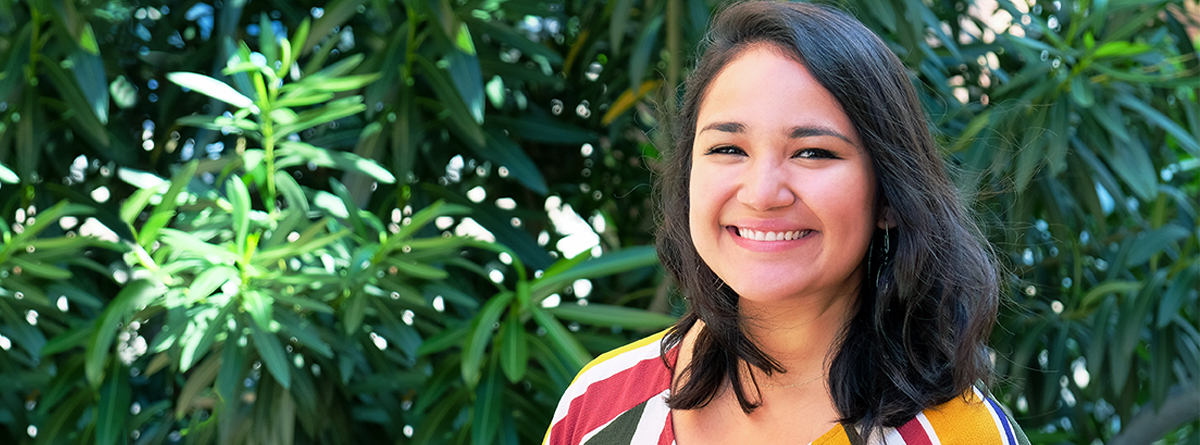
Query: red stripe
[[914, 433], [668, 432], [604, 400]]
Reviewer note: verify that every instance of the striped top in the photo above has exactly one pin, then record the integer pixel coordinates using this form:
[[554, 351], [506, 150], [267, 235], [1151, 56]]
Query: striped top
[[620, 398]]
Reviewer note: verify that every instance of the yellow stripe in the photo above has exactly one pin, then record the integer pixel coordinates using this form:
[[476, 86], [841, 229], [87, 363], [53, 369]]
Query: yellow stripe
[[962, 421], [613, 353], [835, 436], [605, 356]]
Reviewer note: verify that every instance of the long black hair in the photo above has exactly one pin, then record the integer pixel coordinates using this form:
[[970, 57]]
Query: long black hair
[[927, 304]]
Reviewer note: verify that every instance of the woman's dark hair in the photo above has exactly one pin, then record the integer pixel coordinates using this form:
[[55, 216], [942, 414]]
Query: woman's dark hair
[[927, 304]]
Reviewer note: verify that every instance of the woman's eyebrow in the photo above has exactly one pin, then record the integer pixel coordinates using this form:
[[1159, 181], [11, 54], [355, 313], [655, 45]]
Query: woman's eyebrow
[[804, 132], [795, 133], [728, 127]]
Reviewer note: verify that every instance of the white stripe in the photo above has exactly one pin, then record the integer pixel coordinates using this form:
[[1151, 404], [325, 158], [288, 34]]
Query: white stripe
[[996, 419], [604, 370], [885, 436], [654, 419], [933, 437], [893, 437], [588, 436]]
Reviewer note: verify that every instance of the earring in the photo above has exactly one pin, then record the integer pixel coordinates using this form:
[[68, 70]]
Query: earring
[[881, 284]]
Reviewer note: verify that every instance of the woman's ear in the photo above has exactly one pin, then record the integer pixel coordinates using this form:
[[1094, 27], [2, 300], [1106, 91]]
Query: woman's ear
[[887, 219]]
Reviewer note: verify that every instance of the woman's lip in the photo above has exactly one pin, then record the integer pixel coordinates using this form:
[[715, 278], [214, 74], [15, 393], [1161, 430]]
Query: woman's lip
[[767, 235], [769, 246]]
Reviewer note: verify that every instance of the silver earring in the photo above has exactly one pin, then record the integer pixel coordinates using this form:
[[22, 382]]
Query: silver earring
[[880, 283]]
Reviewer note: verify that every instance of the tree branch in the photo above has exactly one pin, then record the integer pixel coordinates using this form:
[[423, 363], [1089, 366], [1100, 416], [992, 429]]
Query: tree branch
[[1182, 405]]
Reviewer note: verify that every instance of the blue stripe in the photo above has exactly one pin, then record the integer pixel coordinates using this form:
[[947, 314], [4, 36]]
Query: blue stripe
[[1003, 420]]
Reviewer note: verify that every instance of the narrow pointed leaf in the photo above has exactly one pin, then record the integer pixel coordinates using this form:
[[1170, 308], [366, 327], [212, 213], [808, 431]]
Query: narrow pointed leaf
[[210, 87], [272, 355]]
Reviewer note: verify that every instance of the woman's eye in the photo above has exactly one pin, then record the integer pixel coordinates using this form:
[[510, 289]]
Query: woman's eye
[[725, 150], [814, 153]]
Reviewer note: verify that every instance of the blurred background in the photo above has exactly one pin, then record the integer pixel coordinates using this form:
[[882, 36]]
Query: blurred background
[[380, 221]]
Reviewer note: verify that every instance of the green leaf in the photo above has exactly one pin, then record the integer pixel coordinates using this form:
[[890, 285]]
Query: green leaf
[[619, 23], [220, 123], [345, 83], [418, 270], [437, 421], [114, 407], [70, 92], [443, 340], [233, 362], [502, 150], [1186, 139], [133, 296], [354, 309], [198, 339], [463, 41], [506, 34], [200, 378], [301, 98], [460, 116], [639, 59], [141, 179], [1121, 48], [188, 242], [73, 338], [44, 271], [608, 264], [1176, 295], [303, 302], [211, 87], [489, 403], [87, 40], [352, 210], [89, 73], [567, 345], [304, 331], [426, 216], [1094, 295], [337, 12], [1152, 242], [300, 153], [883, 11], [260, 306], [1081, 92], [239, 199], [514, 351], [481, 334], [272, 355], [543, 129], [298, 41], [468, 80], [606, 315], [266, 40], [7, 175], [1131, 162], [333, 111]]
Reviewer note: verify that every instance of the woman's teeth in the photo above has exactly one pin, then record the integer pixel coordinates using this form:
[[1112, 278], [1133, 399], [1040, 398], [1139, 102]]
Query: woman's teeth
[[772, 236]]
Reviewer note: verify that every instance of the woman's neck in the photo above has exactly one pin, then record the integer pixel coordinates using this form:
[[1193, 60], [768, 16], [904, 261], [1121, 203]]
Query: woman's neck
[[799, 334]]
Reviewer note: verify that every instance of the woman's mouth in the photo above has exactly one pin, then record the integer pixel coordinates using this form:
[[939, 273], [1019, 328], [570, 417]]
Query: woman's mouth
[[758, 235]]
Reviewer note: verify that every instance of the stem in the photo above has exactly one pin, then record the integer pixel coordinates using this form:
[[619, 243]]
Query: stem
[[269, 147], [35, 47]]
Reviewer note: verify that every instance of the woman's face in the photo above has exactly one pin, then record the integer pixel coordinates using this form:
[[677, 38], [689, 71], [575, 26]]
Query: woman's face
[[781, 191]]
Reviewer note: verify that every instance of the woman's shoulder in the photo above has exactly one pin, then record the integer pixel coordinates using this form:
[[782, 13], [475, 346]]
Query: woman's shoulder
[[972, 418], [617, 383], [648, 348]]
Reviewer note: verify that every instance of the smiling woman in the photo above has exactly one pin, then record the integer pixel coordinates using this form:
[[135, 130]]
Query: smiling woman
[[810, 221]]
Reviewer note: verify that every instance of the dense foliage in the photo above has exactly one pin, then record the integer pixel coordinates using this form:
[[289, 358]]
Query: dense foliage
[[413, 221]]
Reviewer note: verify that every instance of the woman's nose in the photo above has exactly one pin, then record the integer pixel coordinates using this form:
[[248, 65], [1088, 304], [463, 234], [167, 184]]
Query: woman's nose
[[765, 186]]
